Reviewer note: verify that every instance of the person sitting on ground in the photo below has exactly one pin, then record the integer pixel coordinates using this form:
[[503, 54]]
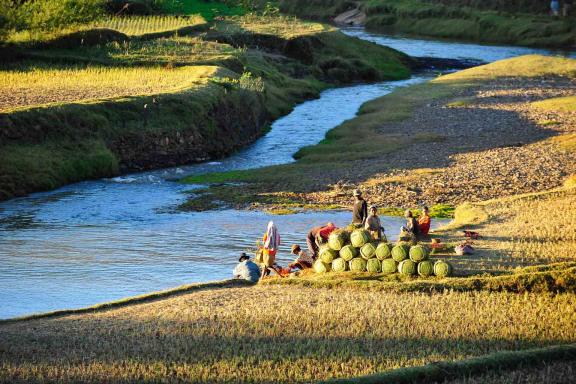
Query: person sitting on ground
[[411, 226], [303, 261], [360, 209], [271, 241], [373, 224], [318, 236], [424, 222], [246, 269]]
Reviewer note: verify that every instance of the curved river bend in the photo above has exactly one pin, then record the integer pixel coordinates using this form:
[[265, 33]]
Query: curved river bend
[[103, 240]]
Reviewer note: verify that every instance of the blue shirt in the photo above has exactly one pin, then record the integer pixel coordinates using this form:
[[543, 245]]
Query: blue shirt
[[247, 270]]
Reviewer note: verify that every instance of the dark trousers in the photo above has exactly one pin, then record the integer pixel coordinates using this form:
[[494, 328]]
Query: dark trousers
[[312, 247]]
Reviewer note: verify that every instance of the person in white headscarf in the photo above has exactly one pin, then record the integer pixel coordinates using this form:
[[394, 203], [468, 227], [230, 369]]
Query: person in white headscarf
[[271, 243]]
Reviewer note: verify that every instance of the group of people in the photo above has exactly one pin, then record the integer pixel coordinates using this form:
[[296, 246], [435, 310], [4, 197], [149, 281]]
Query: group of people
[[363, 216], [565, 9]]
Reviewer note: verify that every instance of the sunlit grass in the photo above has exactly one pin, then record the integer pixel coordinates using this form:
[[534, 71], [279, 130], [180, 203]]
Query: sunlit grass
[[255, 334], [47, 85], [140, 25], [283, 26]]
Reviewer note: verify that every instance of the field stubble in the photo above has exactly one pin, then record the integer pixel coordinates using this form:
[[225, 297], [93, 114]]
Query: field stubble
[[302, 334]]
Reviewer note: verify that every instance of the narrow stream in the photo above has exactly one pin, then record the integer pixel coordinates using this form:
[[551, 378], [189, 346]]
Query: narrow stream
[[102, 240]]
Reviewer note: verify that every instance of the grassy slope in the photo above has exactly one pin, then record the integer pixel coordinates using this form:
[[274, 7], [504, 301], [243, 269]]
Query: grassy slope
[[334, 333], [447, 21], [35, 140], [346, 147]]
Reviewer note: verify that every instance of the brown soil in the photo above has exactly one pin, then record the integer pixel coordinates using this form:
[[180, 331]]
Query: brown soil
[[494, 144]]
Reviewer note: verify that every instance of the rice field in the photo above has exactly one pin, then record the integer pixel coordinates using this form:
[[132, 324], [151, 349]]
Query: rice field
[[283, 26], [522, 230], [48, 85], [141, 25], [278, 334]]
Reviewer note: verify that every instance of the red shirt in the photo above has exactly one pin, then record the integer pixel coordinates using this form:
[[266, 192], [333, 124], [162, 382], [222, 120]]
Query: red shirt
[[424, 224], [326, 231]]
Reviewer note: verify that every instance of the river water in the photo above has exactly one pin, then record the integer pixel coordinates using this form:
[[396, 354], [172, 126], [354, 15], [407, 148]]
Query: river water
[[102, 240]]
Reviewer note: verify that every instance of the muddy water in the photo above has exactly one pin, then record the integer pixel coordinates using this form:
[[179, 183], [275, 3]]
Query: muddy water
[[102, 240]]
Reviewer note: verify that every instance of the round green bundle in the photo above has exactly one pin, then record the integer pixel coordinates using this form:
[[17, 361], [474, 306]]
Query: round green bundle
[[339, 265], [400, 252], [359, 237], [383, 251], [373, 265], [389, 266], [418, 253], [338, 239], [368, 251], [357, 264], [425, 268], [407, 267], [442, 268], [348, 252], [320, 267], [327, 255]]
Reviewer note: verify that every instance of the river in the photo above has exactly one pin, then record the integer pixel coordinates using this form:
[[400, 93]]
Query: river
[[102, 240]]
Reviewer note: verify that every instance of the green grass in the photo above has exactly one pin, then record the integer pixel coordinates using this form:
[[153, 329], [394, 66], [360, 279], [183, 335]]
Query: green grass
[[565, 104], [208, 9], [454, 21]]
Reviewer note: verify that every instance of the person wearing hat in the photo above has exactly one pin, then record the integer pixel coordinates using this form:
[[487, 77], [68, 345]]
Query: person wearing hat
[[360, 209], [246, 269], [303, 261], [373, 224]]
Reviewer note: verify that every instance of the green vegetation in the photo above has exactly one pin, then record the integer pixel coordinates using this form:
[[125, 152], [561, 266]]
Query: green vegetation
[[147, 89], [457, 19]]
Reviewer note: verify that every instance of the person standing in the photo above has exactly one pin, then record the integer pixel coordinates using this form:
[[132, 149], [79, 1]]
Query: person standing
[[424, 222], [373, 224], [271, 243], [360, 209], [567, 7], [555, 7], [246, 269]]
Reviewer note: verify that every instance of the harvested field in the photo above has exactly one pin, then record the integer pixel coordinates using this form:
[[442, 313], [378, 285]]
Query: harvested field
[[43, 85], [278, 334]]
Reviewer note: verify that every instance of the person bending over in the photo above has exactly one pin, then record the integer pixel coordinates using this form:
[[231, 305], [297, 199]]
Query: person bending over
[[318, 236]]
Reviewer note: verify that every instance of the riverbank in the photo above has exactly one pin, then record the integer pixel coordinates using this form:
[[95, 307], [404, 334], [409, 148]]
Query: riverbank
[[497, 23], [469, 136], [198, 85]]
